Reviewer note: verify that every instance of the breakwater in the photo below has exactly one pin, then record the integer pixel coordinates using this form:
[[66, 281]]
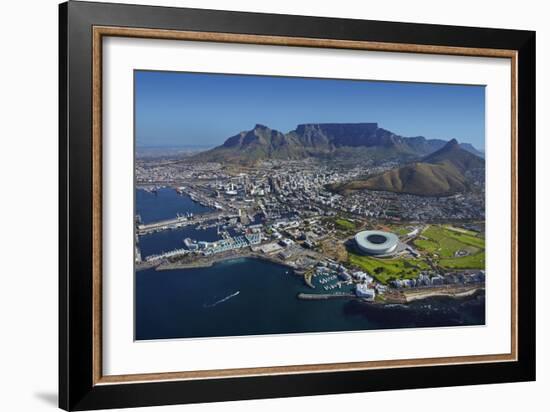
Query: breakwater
[[325, 296]]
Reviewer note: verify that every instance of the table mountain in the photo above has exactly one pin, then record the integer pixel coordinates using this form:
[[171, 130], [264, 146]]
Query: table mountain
[[322, 140]]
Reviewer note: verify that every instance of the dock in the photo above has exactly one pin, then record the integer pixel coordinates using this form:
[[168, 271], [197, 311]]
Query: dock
[[180, 221], [325, 296]]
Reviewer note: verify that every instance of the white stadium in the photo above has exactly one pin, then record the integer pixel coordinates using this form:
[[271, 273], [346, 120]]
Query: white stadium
[[376, 242]]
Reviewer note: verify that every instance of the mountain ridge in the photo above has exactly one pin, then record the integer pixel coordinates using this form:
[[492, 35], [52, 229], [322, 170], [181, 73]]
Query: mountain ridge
[[441, 173], [320, 140]]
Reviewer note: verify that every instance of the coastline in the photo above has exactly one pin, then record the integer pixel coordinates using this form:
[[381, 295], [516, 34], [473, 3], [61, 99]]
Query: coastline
[[451, 292], [211, 261], [402, 297], [325, 296], [145, 265]]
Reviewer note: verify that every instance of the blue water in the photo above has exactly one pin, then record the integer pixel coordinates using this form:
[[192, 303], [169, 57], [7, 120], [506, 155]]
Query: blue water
[[156, 243], [166, 203], [203, 302], [199, 303]]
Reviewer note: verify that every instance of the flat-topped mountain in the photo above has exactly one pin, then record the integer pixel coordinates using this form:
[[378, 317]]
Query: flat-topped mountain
[[324, 140], [440, 173]]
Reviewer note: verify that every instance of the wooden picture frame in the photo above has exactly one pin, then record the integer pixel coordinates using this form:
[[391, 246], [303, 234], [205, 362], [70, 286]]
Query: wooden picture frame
[[82, 385]]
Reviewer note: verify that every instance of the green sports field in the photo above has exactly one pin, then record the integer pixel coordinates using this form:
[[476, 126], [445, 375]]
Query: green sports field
[[344, 224], [443, 241], [476, 261], [385, 270]]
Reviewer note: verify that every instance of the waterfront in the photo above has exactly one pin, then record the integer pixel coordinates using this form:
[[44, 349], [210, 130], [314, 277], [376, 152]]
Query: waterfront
[[307, 227], [251, 296], [190, 303], [156, 243], [165, 203], [259, 294]]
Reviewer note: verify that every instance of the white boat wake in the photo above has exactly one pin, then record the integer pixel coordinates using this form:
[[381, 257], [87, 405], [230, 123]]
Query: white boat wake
[[222, 300]]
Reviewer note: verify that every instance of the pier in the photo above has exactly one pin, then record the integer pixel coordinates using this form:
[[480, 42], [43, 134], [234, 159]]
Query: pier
[[178, 221], [325, 296]]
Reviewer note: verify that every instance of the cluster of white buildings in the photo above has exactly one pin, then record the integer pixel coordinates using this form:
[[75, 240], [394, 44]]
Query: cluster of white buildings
[[454, 278], [364, 287], [223, 245], [364, 291], [400, 206]]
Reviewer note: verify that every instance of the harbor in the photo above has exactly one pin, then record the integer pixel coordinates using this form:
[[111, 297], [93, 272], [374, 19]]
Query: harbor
[[176, 223], [178, 303], [204, 239], [212, 260], [232, 256], [323, 226]]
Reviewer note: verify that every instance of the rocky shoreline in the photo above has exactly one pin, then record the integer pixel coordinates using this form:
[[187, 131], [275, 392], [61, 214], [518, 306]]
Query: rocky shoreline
[[212, 260], [449, 291], [402, 297]]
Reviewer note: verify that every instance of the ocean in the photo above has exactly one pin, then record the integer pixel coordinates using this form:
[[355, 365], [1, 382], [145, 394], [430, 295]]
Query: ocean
[[255, 297]]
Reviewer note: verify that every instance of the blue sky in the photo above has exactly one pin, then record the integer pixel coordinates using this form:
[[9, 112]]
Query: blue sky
[[194, 109]]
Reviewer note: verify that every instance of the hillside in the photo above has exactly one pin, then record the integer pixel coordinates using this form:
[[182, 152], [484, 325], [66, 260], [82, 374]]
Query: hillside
[[257, 144], [438, 174], [455, 155], [418, 179]]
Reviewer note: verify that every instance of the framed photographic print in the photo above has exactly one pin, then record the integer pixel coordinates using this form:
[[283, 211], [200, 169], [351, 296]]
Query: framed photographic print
[[257, 205]]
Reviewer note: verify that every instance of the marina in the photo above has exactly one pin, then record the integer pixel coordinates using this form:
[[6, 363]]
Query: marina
[[171, 304], [173, 203], [238, 272]]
